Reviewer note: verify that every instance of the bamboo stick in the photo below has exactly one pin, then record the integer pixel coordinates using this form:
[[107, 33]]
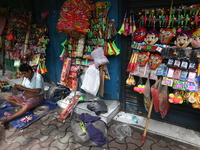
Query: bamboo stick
[[28, 33], [3, 55], [147, 122]]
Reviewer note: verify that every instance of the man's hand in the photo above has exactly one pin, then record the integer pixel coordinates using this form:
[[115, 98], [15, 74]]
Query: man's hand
[[15, 86], [19, 87]]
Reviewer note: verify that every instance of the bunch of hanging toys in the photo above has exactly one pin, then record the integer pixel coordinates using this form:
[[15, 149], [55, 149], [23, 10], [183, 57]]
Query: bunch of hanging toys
[[182, 16]]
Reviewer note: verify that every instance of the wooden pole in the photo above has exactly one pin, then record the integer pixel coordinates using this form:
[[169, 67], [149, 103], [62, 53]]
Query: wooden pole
[[27, 34], [147, 122], [171, 5], [3, 55]]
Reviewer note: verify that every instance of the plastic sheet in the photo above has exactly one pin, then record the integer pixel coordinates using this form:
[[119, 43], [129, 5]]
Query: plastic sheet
[[5, 95], [121, 130], [155, 94], [163, 101]]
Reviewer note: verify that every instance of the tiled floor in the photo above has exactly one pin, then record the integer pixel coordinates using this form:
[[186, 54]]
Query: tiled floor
[[51, 133], [164, 129]]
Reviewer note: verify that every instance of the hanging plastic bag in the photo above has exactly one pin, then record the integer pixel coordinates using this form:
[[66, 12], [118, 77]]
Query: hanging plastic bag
[[121, 130], [91, 81], [5, 95], [147, 95], [99, 57], [163, 101], [155, 94]]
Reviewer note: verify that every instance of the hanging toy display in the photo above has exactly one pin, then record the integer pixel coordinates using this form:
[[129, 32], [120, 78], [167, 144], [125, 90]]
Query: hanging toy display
[[170, 55], [128, 26], [38, 44], [75, 16], [16, 32], [87, 28]]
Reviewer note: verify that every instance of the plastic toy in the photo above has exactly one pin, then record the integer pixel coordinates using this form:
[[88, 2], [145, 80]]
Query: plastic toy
[[196, 105], [26, 119], [166, 35], [151, 37], [154, 61], [4, 85], [196, 39], [183, 38], [130, 80], [193, 97], [7, 114], [175, 98], [140, 34], [139, 88], [143, 58]]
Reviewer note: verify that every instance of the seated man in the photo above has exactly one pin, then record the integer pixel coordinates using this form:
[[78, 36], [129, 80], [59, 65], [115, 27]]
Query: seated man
[[32, 95]]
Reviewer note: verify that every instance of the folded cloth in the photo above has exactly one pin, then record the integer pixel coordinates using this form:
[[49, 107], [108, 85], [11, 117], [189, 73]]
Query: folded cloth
[[95, 134], [98, 106]]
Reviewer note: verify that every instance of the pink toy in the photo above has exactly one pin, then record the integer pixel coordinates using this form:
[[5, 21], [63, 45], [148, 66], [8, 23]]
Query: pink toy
[[139, 88], [175, 98]]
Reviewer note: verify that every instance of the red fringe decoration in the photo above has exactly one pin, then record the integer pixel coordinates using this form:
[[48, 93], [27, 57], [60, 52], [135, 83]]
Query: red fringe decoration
[[75, 16]]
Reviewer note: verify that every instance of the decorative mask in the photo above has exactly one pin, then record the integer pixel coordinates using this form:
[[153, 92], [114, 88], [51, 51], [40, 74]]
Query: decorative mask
[[196, 39], [183, 38], [143, 58], [151, 37], [154, 61], [140, 34], [166, 35]]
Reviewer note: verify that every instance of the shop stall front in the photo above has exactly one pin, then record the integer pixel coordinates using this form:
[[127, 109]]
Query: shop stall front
[[162, 60]]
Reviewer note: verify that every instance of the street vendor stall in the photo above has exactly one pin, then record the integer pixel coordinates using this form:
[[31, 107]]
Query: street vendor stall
[[163, 61]]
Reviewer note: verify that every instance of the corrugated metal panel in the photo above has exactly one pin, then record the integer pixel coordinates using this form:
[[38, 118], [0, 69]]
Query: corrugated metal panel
[[182, 115]]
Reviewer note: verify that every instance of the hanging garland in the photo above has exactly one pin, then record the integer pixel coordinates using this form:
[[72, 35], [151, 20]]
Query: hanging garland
[[74, 16]]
